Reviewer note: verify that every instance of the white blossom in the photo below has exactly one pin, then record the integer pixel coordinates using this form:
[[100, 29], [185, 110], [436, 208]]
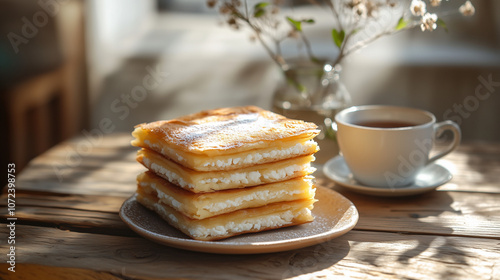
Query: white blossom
[[435, 3], [467, 9], [429, 22], [392, 3], [418, 8], [360, 10], [364, 8], [372, 9]]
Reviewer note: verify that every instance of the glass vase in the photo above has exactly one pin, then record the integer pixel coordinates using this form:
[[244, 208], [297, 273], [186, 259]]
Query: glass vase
[[313, 93]]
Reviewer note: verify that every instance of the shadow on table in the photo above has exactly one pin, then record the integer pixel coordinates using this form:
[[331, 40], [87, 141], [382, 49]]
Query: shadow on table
[[416, 223], [280, 265], [73, 165], [482, 160], [313, 258]]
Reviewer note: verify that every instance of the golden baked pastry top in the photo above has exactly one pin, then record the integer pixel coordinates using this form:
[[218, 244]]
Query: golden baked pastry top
[[220, 130]]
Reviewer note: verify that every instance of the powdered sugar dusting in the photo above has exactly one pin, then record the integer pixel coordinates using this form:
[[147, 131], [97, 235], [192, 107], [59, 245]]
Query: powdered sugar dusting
[[208, 133], [221, 130], [209, 129]]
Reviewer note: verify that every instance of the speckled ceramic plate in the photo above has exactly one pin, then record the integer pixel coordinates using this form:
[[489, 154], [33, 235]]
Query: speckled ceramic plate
[[334, 216]]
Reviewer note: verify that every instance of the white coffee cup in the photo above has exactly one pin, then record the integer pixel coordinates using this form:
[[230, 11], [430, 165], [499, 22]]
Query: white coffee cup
[[393, 155]]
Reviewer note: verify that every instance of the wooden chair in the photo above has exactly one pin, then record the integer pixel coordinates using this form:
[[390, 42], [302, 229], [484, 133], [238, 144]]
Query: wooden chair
[[51, 106]]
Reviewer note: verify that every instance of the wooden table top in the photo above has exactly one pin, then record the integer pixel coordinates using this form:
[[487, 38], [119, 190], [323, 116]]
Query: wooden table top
[[67, 227]]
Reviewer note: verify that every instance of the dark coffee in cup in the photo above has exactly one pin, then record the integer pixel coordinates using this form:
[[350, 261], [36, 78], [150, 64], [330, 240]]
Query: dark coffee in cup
[[385, 124]]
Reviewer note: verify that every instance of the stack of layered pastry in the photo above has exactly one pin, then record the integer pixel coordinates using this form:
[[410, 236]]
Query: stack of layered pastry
[[224, 172]]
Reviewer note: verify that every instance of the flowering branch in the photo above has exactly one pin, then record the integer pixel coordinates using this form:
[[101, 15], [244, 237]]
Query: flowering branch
[[232, 9], [351, 18]]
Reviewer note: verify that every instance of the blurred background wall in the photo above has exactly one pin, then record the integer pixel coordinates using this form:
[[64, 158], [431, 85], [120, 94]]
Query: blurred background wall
[[77, 64], [43, 76]]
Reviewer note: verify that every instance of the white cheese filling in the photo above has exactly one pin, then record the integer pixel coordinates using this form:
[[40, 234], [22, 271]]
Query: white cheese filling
[[164, 213], [172, 176], [246, 178], [253, 224], [165, 150], [298, 149], [165, 198], [264, 195], [256, 177]]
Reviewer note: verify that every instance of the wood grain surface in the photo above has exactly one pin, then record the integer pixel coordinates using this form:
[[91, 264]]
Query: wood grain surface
[[67, 204]]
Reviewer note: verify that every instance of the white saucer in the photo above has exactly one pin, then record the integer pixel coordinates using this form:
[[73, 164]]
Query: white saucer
[[431, 177]]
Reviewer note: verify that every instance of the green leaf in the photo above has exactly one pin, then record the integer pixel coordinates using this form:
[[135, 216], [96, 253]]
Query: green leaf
[[295, 23], [338, 37], [259, 13], [259, 9], [442, 24], [301, 87], [401, 24], [315, 59], [260, 5]]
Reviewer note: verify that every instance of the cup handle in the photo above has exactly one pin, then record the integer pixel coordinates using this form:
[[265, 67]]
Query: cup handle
[[439, 128]]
